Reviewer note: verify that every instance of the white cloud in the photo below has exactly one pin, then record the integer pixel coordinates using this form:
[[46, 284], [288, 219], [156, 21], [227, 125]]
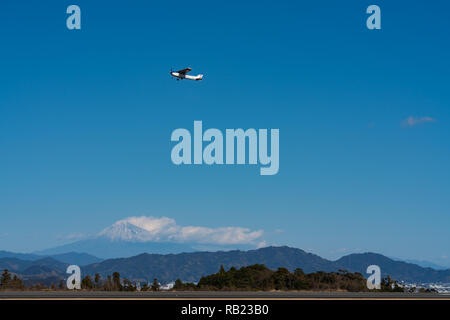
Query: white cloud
[[413, 121], [166, 229], [262, 244]]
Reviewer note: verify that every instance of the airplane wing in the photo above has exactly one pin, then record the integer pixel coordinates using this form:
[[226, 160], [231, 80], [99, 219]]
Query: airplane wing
[[184, 71]]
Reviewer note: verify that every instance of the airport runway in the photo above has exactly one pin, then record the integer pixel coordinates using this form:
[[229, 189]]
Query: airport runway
[[214, 295]]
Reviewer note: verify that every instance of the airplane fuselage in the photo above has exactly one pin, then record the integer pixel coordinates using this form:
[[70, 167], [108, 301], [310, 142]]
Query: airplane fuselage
[[186, 76]]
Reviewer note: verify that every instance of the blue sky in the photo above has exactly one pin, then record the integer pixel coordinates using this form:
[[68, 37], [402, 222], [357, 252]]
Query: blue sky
[[86, 118]]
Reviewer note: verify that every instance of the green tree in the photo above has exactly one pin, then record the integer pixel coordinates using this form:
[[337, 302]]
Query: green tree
[[283, 279], [17, 283], [86, 283], [222, 269], [5, 279], [11, 283], [178, 285], [128, 285], [97, 280], [155, 285], [299, 272], [117, 286], [107, 286]]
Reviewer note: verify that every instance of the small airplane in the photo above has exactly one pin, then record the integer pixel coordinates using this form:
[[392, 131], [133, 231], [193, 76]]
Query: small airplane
[[182, 74]]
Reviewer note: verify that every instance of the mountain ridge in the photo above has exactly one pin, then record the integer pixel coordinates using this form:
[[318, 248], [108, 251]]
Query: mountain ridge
[[78, 258], [191, 266], [134, 235]]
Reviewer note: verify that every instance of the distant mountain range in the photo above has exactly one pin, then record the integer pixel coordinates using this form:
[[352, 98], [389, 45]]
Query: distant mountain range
[[424, 263], [125, 239], [122, 239], [80, 259], [398, 270], [107, 248], [136, 235], [45, 270], [191, 266], [33, 268], [50, 265]]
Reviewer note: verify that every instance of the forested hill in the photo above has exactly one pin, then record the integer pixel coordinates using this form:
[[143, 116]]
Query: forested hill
[[192, 266]]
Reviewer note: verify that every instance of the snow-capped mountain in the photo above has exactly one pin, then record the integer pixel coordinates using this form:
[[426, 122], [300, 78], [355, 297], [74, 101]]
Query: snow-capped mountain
[[136, 235], [106, 248], [125, 231]]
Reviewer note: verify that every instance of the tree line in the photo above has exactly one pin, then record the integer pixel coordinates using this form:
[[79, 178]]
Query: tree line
[[115, 283], [255, 277], [259, 277]]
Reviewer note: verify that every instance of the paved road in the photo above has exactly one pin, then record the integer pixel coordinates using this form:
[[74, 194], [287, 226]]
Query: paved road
[[205, 295]]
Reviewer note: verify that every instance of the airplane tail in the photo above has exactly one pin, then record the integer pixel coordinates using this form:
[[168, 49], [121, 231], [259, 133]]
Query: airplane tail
[[200, 77]]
